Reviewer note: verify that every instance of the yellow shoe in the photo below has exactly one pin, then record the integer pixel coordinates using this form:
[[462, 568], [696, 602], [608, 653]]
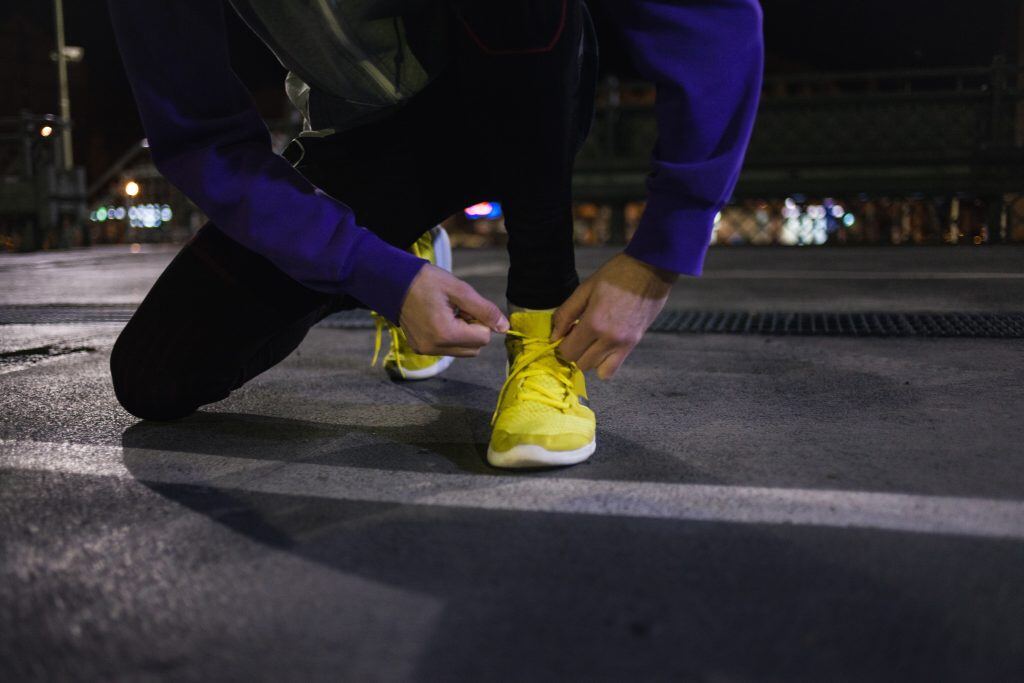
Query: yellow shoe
[[401, 362], [540, 420]]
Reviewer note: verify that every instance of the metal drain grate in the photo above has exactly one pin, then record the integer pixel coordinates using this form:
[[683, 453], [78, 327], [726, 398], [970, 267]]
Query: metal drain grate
[[878, 324], [1005, 325], [888, 324]]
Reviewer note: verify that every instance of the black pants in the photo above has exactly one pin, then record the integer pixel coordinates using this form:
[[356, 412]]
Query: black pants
[[504, 121]]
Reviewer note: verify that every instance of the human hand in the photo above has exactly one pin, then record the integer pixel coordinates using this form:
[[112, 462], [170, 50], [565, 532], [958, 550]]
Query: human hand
[[444, 316], [614, 307]]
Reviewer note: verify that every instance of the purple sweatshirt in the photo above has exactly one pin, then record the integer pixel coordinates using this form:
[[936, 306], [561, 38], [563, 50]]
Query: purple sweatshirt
[[704, 56]]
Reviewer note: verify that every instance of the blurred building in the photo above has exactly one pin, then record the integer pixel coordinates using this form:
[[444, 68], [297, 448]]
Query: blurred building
[[923, 155]]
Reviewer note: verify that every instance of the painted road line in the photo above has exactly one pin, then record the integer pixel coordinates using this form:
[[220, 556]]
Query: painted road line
[[532, 493]]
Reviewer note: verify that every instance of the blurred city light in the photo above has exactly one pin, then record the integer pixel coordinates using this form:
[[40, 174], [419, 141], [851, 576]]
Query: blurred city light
[[72, 53], [483, 210], [139, 216], [46, 131], [131, 188]]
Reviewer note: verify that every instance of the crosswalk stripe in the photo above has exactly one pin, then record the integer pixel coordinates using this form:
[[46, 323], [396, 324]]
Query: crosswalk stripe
[[532, 493]]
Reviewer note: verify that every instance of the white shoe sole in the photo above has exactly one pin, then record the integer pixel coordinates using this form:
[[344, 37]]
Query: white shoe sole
[[442, 248], [423, 373], [528, 455]]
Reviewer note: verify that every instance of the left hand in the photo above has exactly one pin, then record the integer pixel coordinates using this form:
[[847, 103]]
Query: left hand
[[614, 307]]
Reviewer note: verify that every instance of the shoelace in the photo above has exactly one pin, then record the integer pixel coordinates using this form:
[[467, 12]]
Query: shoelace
[[394, 331], [531, 389], [381, 322]]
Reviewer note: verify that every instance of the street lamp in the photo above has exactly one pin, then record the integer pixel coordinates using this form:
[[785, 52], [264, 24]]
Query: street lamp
[[62, 80], [131, 188], [46, 131]]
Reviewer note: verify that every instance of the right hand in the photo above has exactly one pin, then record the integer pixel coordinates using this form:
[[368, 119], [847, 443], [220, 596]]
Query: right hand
[[444, 316]]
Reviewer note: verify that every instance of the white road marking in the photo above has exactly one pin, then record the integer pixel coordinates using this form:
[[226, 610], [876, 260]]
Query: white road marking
[[696, 502]]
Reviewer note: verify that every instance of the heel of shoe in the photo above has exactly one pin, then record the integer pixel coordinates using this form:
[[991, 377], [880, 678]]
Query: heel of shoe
[[442, 248]]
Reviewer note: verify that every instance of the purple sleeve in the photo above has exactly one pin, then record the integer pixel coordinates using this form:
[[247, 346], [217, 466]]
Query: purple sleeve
[[208, 140], [706, 59]]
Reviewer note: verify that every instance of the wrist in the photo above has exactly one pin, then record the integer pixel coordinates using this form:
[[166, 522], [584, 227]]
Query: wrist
[[667, 277], [381, 275]]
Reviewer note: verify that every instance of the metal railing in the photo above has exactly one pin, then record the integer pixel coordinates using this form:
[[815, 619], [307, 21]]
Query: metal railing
[[928, 130]]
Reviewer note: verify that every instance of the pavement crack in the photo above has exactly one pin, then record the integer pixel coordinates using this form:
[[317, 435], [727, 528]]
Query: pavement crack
[[17, 359]]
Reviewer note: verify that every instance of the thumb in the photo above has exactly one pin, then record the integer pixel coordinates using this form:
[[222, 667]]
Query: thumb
[[479, 308], [569, 312]]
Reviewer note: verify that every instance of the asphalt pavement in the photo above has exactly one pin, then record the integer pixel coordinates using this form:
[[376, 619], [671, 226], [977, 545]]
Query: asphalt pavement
[[760, 507]]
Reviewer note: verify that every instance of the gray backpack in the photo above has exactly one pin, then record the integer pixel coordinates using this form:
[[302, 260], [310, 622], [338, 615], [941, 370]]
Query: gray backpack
[[351, 61]]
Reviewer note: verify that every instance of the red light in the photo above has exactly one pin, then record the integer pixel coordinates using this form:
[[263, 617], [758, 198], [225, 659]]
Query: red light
[[481, 209]]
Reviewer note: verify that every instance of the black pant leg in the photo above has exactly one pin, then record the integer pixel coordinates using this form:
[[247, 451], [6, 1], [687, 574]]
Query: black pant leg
[[531, 63], [218, 316], [221, 314], [504, 120]]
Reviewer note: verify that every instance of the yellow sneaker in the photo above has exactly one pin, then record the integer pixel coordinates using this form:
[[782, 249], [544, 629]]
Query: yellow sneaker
[[401, 362], [540, 420]]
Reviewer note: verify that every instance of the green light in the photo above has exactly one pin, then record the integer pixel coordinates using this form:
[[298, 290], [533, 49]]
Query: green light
[[101, 214]]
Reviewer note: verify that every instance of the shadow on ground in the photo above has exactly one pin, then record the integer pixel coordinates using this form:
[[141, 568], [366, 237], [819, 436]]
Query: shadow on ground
[[541, 595]]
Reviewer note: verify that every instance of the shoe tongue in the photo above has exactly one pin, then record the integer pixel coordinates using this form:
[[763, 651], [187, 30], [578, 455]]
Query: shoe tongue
[[531, 324], [537, 325]]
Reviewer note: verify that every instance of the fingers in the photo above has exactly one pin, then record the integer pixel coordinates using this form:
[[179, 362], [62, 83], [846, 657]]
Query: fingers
[[608, 367], [569, 312], [429, 319], [457, 351], [444, 349], [451, 337], [463, 334], [460, 351], [577, 341], [479, 308], [594, 356], [594, 346]]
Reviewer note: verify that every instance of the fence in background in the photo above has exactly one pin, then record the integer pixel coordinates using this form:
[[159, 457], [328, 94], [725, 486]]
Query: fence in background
[[950, 139]]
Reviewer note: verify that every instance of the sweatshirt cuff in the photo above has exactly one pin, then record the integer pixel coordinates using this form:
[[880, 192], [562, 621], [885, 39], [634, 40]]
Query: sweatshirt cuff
[[673, 238], [380, 275]]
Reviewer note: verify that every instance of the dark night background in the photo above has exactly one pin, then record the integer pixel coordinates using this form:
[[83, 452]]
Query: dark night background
[[800, 36], [809, 470]]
